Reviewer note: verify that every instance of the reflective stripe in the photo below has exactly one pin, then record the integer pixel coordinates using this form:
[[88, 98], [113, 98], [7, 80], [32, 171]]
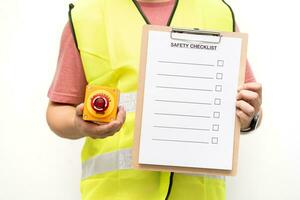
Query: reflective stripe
[[117, 160], [107, 162], [128, 100]]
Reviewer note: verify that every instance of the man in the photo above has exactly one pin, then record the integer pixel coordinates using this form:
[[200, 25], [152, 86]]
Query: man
[[107, 35]]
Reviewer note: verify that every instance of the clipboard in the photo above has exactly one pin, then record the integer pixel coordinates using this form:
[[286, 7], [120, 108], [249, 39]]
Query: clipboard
[[194, 38]]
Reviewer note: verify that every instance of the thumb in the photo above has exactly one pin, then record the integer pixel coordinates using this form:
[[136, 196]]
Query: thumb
[[79, 109]]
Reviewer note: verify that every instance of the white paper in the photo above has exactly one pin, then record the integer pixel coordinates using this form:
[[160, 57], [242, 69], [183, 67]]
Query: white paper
[[188, 115]]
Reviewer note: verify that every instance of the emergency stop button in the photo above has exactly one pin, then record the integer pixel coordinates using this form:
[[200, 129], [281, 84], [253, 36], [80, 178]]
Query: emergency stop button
[[100, 103]]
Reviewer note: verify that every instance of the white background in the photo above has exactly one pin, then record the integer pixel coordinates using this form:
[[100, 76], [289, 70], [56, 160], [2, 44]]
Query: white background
[[35, 164]]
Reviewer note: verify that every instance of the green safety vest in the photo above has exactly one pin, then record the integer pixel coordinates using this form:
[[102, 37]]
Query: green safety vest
[[108, 36]]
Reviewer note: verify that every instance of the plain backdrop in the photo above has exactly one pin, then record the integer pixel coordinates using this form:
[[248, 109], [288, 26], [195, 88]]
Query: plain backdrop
[[36, 164]]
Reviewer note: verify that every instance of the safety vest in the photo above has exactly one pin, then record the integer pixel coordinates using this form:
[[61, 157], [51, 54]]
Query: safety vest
[[108, 36]]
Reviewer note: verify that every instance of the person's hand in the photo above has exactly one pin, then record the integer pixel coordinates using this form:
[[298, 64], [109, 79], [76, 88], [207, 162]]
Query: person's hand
[[249, 99], [101, 130]]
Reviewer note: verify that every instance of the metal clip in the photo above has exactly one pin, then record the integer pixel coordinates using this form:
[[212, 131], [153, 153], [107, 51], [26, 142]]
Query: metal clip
[[195, 31]]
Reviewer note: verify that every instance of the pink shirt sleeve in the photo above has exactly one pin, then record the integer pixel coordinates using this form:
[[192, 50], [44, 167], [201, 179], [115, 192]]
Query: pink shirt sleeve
[[249, 76], [68, 85]]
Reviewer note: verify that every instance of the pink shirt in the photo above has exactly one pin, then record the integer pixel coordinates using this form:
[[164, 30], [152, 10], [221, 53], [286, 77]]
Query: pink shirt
[[68, 85]]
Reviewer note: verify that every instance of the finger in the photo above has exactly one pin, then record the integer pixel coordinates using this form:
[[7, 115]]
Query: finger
[[106, 129], [252, 86], [79, 109], [113, 126], [246, 108], [251, 97], [121, 114], [102, 136], [244, 118], [94, 130], [102, 130], [247, 95], [100, 123], [87, 127]]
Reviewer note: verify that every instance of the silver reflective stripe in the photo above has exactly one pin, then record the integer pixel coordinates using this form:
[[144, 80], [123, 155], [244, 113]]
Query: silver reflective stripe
[[107, 162], [207, 176], [117, 160], [128, 100]]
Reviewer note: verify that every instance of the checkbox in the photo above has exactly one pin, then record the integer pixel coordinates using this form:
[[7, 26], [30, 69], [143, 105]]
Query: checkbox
[[217, 101], [215, 127], [220, 63], [214, 140], [217, 115], [218, 88], [219, 76]]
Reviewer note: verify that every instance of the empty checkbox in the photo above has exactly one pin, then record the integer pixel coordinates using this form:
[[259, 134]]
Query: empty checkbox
[[217, 101], [220, 63], [219, 76], [215, 127], [218, 88], [214, 140], [217, 115]]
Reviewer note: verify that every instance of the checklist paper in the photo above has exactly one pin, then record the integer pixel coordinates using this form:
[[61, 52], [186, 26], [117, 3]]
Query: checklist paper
[[189, 100]]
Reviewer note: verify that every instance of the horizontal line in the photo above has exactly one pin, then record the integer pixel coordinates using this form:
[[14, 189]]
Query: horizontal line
[[184, 63], [182, 128], [188, 102], [180, 115], [185, 141], [179, 88], [185, 76]]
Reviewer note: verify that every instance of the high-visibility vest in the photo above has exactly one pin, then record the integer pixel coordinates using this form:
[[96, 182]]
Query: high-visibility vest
[[108, 36]]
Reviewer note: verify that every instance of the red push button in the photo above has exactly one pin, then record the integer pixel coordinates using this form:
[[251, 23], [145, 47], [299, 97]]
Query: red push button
[[99, 103]]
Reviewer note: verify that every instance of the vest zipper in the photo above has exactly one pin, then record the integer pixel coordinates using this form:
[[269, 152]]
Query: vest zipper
[[170, 185]]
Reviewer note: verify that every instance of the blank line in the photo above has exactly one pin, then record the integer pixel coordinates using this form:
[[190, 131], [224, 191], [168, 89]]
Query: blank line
[[179, 88], [185, 141], [184, 63], [182, 128], [185, 76], [180, 115], [188, 102]]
